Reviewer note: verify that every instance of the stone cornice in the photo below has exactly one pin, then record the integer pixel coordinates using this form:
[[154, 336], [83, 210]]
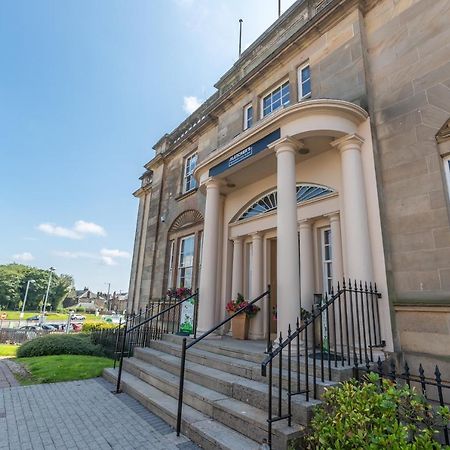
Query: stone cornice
[[357, 113]]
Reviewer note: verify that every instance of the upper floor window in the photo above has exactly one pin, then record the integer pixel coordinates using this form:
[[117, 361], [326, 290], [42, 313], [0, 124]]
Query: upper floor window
[[447, 172], [276, 99], [304, 82], [248, 116], [189, 167]]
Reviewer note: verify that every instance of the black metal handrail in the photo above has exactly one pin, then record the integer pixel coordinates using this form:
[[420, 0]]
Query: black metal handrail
[[187, 346], [343, 327], [143, 332]]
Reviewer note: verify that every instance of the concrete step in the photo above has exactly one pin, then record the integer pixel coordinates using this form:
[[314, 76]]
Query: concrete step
[[253, 352], [221, 364], [242, 417], [253, 392], [206, 432]]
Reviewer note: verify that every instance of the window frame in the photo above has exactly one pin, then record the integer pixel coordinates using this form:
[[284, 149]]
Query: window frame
[[181, 267], [327, 277], [188, 177], [301, 95], [446, 161], [271, 93], [247, 108]]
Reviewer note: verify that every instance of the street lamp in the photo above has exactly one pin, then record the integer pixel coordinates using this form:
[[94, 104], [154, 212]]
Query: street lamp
[[25, 299], [107, 297], [52, 269]]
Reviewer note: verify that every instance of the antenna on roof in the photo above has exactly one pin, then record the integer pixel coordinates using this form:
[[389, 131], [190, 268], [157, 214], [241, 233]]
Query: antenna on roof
[[279, 8], [240, 37]]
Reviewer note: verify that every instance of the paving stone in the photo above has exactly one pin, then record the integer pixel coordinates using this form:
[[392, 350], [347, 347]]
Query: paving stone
[[80, 415]]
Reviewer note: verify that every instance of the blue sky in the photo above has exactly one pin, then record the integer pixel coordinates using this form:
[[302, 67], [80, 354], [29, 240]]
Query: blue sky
[[86, 88]]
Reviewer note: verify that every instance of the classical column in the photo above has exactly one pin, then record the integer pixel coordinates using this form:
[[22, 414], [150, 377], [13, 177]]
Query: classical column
[[356, 226], [238, 269], [208, 278], [336, 249], [288, 283], [257, 323], [306, 265]]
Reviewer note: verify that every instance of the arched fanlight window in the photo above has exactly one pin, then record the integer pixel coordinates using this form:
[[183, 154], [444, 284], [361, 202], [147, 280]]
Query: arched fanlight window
[[269, 202]]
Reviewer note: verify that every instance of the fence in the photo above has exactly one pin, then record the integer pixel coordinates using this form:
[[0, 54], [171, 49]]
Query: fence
[[432, 388], [18, 336]]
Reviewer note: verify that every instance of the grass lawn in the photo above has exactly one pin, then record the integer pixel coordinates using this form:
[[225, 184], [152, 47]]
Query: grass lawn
[[51, 369], [14, 315], [8, 349]]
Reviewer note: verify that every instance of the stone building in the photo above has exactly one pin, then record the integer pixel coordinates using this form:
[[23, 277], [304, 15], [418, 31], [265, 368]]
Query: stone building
[[323, 154]]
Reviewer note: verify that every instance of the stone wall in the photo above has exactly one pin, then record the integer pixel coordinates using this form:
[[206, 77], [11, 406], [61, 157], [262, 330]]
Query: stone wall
[[408, 53]]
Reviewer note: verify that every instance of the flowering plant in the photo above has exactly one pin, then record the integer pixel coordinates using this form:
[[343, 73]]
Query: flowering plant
[[179, 293], [240, 303]]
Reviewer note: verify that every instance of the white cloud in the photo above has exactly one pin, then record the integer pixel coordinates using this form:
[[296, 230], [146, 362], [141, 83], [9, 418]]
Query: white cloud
[[190, 104], [24, 257], [79, 230], [83, 227], [109, 256], [106, 256]]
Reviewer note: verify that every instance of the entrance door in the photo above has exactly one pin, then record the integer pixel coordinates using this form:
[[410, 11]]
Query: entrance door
[[273, 284]]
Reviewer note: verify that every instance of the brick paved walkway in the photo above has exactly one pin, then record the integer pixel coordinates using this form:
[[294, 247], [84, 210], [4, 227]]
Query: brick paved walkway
[[6, 377], [80, 415]]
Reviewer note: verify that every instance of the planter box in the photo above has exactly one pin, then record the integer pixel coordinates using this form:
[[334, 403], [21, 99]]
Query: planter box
[[239, 326]]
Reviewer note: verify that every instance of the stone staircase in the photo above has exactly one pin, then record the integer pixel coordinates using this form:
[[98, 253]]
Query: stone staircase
[[225, 395]]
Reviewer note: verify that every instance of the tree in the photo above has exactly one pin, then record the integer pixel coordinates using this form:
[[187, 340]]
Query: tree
[[13, 282]]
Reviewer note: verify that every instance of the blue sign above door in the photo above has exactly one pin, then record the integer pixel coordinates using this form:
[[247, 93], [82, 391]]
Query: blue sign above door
[[246, 153]]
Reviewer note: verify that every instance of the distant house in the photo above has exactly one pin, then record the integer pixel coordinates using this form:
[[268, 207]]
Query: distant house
[[119, 301], [90, 301]]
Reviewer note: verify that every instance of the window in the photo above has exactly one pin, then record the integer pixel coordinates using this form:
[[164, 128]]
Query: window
[[304, 82], [189, 167], [327, 261], [276, 99], [171, 264], [248, 116], [447, 172], [186, 261]]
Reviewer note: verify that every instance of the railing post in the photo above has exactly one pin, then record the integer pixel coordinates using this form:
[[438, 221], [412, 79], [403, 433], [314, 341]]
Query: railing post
[[269, 320], [180, 390], [117, 341], [119, 376], [196, 313]]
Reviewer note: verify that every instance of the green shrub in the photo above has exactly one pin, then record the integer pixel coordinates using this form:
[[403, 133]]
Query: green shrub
[[60, 344], [80, 309], [96, 326], [375, 414]]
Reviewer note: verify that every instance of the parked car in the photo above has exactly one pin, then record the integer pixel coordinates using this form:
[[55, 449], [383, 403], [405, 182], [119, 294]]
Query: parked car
[[57, 326], [77, 326], [48, 327], [78, 317], [30, 328], [32, 318]]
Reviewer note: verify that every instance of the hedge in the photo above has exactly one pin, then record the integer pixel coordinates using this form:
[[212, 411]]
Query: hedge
[[60, 344], [96, 326]]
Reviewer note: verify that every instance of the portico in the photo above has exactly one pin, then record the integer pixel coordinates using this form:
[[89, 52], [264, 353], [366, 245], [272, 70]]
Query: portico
[[297, 185]]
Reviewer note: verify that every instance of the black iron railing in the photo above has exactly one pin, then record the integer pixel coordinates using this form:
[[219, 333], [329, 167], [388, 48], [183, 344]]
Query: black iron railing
[[185, 347], [342, 331], [433, 389], [158, 318]]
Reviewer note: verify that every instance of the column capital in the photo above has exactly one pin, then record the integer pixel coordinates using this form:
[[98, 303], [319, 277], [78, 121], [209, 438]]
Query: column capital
[[213, 183], [237, 239], [285, 144], [348, 141], [333, 216], [257, 235], [305, 223]]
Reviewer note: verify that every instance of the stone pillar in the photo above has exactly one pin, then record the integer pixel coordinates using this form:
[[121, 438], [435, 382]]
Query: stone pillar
[[238, 269], [208, 278], [306, 266], [358, 253], [288, 283], [257, 323], [336, 249]]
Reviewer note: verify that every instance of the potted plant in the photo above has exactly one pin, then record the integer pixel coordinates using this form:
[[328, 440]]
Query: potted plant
[[240, 323]]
